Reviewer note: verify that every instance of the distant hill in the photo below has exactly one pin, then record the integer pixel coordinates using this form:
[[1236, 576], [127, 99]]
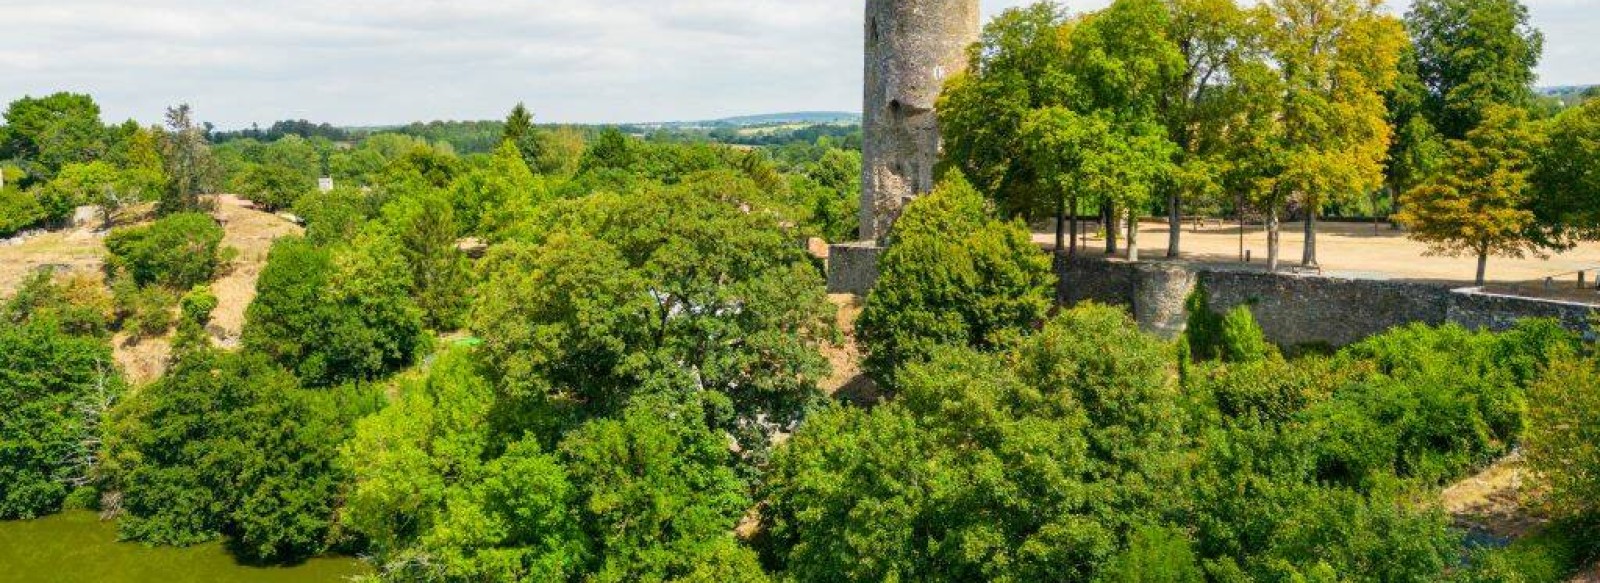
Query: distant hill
[[806, 117], [765, 119], [1556, 91]]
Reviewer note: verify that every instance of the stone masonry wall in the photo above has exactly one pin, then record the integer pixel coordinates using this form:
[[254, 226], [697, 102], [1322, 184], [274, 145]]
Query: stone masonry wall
[[1294, 310], [912, 47]]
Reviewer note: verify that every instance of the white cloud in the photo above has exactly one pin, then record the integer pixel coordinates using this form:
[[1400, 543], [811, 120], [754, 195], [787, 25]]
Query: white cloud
[[389, 61]]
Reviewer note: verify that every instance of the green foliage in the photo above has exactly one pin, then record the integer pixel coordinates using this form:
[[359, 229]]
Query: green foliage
[[1551, 555], [77, 303], [335, 315], [1563, 442], [1020, 65], [648, 494], [57, 385], [144, 312], [198, 304], [952, 275], [48, 133], [1567, 190], [335, 216], [228, 444], [18, 210], [1472, 55], [177, 252], [1202, 326], [490, 201], [1155, 555], [423, 226], [1028, 466], [657, 495], [665, 287], [191, 168], [1480, 202], [1242, 339]]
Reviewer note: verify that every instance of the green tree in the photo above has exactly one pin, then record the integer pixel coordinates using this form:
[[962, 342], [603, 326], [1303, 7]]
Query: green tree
[[1027, 466], [58, 386], [288, 169], [952, 275], [667, 511], [177, 252], [610, 294], [1213, 39], [1335, 59], [335, 315], [191, 168], [1472, 56], [227, 444], [424, 225], [1566, 190], [1479, 203], [48, 133], [1019, 65], [1123, 61], [491, 201]]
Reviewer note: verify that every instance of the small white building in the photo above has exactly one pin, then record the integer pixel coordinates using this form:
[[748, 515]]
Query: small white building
[[325, 184]]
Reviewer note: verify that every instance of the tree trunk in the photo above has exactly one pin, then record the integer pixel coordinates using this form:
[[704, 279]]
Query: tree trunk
[[1061, 223], [1109, 215], [1133, 236], [1483, 267], [1072, 249], [1309, 258], [1174, 222], [1272, 239]]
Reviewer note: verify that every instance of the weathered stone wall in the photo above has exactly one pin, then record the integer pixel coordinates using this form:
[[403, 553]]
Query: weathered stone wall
[[1475, 309], [912, 46], [853, 268], [1296, 310]]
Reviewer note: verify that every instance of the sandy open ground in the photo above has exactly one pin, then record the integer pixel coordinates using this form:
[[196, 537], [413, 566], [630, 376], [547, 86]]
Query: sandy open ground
[[1351, 250], [82, 250]]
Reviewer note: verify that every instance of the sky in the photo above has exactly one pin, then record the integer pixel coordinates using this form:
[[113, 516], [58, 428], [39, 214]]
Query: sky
[[383, 62]]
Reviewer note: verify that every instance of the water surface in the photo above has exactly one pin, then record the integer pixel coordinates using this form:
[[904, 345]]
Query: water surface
[[77, 547]]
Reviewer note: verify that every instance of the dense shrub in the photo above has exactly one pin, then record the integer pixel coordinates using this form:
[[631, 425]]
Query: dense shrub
[[18, 210], [440, 494], [335, 315], [198, 304], [55, 386], [78, 303], [611, 296], [1242, 339], [952, 275], [1034, 465], [178, 251], [228, 444], [143, 312], [1563, 443]]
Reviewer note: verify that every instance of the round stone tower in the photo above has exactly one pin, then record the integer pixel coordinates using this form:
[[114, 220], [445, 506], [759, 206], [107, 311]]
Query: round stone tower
[[912, 46]]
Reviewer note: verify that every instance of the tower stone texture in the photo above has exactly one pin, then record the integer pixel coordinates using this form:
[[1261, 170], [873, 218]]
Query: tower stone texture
[[912, 46]]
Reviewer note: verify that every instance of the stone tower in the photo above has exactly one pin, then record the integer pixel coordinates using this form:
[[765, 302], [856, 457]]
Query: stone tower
[[912, 46]]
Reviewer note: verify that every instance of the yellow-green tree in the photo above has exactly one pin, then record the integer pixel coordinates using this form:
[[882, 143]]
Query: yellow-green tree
[[1335, 58], [1479, 202]]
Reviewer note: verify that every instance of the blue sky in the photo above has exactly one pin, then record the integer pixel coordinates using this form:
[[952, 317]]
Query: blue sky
[[364, 62]]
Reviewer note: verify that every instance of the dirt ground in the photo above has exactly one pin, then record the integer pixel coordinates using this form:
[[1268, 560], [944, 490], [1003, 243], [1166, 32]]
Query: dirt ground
[[1494, 501], [81, 249], [1349, 250], [251, 232]]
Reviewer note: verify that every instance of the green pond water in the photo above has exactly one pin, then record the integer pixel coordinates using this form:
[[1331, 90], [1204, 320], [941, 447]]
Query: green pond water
[[77, 547]]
